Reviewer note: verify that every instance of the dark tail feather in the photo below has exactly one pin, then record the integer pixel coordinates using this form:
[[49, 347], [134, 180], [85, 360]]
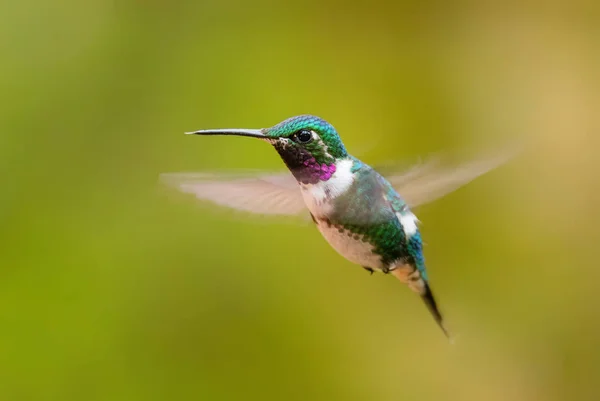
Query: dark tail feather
[[427, 297], [413, 277]]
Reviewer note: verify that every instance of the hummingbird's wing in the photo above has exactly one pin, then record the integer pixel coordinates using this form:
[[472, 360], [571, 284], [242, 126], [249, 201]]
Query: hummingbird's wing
[[433, 179], [276, 193]]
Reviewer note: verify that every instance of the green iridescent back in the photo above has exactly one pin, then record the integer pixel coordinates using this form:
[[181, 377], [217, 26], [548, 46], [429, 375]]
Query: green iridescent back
[[368, 209]]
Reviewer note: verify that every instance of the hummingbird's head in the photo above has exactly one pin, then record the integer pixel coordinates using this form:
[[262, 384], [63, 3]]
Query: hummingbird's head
[[309, 145]]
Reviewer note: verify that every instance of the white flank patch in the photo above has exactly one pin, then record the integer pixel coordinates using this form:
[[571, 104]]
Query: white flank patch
[[409, 223], [317, 196]]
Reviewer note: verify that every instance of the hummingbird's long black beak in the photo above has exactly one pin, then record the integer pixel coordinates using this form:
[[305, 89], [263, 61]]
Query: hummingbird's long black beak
[[253, 133]]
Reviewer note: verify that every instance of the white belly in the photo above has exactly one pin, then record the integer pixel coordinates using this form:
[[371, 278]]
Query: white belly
[[355, 250]]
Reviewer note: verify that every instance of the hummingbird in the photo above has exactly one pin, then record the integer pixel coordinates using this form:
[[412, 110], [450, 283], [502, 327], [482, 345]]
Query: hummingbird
[[365, 216]]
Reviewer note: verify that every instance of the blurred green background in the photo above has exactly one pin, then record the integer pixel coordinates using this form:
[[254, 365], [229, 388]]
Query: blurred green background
[[113, 288]]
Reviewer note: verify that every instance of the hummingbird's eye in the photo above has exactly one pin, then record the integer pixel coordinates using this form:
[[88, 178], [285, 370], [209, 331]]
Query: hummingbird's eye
[[304, 136]]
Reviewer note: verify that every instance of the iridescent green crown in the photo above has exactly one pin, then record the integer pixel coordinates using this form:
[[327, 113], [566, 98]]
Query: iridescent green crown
[[326, 132]]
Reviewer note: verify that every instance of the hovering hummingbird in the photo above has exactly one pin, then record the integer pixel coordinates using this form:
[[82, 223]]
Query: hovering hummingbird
[[365, 217]]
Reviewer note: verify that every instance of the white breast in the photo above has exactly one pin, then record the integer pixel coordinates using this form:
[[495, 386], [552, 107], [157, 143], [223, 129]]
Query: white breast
[[318, 196]]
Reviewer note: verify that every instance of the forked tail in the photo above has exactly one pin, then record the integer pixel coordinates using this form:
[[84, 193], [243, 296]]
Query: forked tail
[[427, 297], [411, 276]]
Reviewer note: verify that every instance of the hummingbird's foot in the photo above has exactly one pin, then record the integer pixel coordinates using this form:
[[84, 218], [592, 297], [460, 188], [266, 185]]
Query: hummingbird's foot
[[388, 269], [369, 270]]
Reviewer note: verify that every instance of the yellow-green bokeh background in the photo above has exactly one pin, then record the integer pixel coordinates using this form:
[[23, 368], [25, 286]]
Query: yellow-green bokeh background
[[113, 289]]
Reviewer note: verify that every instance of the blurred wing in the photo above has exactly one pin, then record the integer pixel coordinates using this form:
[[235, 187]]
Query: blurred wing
[[261, 194], [429, 181]]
